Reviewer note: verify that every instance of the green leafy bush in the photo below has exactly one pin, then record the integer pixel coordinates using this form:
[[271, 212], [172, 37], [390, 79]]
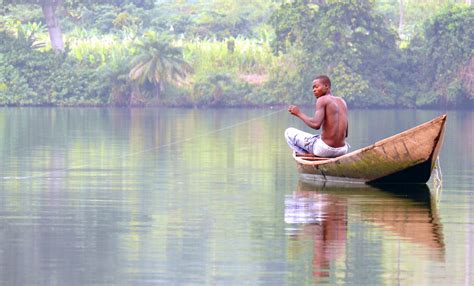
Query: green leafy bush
[[445, 53], [30, 76]]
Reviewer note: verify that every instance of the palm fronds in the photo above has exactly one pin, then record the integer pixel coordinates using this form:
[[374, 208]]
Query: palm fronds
[[158, 62]]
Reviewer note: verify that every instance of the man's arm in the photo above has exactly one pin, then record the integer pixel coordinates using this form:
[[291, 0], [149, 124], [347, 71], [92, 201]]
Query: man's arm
[[313, 122]]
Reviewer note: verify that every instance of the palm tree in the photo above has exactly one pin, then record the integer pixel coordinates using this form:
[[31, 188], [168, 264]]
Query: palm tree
[[117, 74], [158, 63], [217, 83]]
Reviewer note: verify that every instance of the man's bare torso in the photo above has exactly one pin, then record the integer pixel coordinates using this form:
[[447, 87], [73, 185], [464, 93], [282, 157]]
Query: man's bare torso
[[334, 127]]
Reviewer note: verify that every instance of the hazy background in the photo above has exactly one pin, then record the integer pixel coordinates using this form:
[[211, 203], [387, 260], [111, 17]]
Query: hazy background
[[384, 53]]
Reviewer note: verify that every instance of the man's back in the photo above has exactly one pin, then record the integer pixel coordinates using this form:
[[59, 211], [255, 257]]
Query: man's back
[[334, 128]]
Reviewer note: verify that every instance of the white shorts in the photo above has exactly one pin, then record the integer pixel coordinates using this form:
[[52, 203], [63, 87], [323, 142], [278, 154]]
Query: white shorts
[[321, 149], [303, 142]]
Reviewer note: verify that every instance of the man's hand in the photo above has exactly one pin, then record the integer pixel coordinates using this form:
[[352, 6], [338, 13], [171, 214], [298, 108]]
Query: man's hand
[[295, 110]]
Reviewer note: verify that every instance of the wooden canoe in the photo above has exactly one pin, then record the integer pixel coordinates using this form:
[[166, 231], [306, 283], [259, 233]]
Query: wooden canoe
[[407, 157]]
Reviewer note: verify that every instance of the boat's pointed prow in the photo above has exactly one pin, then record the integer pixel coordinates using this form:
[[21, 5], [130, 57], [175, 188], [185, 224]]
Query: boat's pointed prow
[[440, 140]]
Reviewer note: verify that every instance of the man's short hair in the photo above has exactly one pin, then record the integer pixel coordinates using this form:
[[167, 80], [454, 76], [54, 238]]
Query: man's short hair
[[324, 79]]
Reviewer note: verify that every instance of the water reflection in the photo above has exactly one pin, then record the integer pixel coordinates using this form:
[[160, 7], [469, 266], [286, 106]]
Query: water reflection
[[335, 218]]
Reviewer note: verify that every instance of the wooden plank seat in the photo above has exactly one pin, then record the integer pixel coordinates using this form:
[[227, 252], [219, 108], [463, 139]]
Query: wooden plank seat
[[310, 157]]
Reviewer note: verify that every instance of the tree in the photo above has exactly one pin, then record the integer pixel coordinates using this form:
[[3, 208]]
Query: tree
[[211, 90], [49, 8], [446, 57], [146, 4], [348, 41], [413, 13], [158, 63], [401, 18]]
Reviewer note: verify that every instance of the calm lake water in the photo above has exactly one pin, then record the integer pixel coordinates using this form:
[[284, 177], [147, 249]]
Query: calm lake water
[[212, 197]]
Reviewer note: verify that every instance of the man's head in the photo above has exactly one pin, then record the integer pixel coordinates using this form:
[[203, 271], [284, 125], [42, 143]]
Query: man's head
[[321, 86]]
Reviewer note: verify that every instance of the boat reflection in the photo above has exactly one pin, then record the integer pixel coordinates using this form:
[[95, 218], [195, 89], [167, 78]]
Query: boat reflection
[[324, 214]]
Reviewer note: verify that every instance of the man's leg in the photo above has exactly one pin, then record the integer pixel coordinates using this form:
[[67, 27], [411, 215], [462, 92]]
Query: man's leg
[[299, 141]]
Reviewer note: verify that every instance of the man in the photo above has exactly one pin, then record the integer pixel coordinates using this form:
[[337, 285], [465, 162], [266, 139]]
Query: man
[[330, 115]]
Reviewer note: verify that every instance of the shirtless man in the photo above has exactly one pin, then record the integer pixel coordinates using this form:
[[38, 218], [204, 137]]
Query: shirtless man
[[330, 115]]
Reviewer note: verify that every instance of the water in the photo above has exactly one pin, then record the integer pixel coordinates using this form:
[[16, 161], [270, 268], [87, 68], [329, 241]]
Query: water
[[212, 197]]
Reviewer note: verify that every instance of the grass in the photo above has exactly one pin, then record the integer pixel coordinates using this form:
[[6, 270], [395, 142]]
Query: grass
[[247, 57]]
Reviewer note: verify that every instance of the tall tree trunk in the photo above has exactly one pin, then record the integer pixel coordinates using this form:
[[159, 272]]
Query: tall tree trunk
[[55, 35], [401, 20], [159, 88]]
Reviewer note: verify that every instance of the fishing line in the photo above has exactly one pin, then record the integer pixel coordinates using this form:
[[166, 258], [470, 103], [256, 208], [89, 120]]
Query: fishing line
[[153, 148]]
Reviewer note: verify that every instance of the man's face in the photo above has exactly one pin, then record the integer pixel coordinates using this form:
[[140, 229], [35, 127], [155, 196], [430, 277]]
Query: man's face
[[319, 89]]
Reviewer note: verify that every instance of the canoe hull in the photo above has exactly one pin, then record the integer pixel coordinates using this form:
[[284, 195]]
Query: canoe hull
[[407, 157]]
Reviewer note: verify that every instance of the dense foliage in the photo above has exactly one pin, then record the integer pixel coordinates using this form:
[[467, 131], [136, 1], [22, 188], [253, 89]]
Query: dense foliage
[[29, 77], [446, 54], [351, 43], [229, 53]]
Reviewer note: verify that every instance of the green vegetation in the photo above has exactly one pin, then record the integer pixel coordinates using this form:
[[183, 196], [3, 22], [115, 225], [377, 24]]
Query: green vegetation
[[382, 53]]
